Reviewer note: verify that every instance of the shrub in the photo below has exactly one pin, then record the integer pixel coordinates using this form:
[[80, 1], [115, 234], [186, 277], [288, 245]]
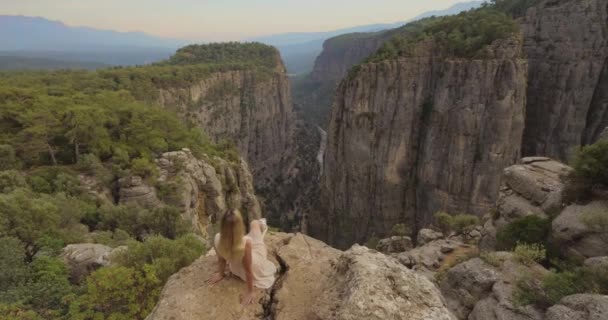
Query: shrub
[[458, 223], [462, 222], [531, 229], [117, 293], [530, 253], [144, 168], [444, 221], [50, 284], [112, 239], [596, 220], [592, 162], [140, 222], [13, 270], [167, 256], [491, 258], [8, 159], [401, 230], [17, 312], [554, 286], [11, 180]]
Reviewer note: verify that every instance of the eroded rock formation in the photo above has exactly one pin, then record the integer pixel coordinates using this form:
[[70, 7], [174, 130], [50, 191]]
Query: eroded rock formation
[[201, 188], [412, 136], [315, 281], [566, 44]]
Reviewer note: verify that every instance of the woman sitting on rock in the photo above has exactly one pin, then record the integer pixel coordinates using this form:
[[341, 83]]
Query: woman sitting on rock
[[245, 254]]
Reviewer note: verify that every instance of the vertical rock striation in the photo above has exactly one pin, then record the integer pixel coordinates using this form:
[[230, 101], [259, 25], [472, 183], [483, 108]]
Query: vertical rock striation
[[250, 107], [411, 136], [566, 43]]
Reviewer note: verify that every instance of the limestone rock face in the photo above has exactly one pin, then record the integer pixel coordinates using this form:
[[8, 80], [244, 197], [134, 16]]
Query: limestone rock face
[[413, 136], [534, 186], [202, 189], [368, 285], [84, 258], [253, 109], [580, 307], [134, 189], [568, 76], [313, 279], [478, 291], [575, 238], [435, 256]]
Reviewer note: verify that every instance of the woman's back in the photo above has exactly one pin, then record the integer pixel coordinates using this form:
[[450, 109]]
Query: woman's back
[[263, 270]]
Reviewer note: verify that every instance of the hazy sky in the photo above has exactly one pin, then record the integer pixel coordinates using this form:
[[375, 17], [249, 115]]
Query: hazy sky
[[222, 19]]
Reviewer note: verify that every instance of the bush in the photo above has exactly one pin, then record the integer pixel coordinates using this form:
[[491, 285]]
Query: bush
[[112, 239], [167, 256], [54, 179], [11, 180], [401, 230], [50, 285], [119, 293], [13, 270], [591, 163], [596, 220], [140, 222], [554, 286], [528, 254], [458, 223], [144, 168], [8, 159], [531, 229], [17, 312]]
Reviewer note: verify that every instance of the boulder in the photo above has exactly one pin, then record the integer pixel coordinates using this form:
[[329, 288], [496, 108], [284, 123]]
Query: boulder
[[312, 280], [84, 258], [395, 244], [601, 262], [435, 255], [534, 186], [134, 189], [580, 307], [576, 239], [476, 290], [427, 235], [369, 285]]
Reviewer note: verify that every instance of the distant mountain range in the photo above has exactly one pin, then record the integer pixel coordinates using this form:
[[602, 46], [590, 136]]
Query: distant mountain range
[[38, 39], [35, 42], [300, 49], [35, 33], [29, 63]]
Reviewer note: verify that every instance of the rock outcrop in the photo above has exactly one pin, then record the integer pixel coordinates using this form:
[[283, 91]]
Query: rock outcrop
[[577, 239], [476, 290], [412, 136], [201, 188], [315, 281], [580, 307], [534, 186], [568, 76], [251, 108], [84, 258]]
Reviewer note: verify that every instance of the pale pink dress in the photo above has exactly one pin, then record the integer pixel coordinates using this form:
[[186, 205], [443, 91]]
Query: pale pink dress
[[263, 270]]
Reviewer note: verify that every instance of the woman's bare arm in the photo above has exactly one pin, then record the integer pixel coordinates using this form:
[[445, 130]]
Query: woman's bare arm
[[247, 263]]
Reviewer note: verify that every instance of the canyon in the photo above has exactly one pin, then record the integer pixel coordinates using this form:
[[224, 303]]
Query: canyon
[[389, 161]]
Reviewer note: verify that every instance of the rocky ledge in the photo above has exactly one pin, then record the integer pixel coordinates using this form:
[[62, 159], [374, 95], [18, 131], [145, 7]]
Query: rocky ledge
[[314, 281]]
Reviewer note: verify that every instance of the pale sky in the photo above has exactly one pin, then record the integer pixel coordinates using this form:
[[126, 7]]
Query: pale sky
[[215, 20]]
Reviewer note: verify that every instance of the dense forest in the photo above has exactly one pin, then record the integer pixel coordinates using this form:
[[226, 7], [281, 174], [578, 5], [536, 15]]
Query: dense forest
[[56, 127], [466, 35]]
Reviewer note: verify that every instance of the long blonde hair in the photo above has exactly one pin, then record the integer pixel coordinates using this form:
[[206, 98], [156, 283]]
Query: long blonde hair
[[232, 230]]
